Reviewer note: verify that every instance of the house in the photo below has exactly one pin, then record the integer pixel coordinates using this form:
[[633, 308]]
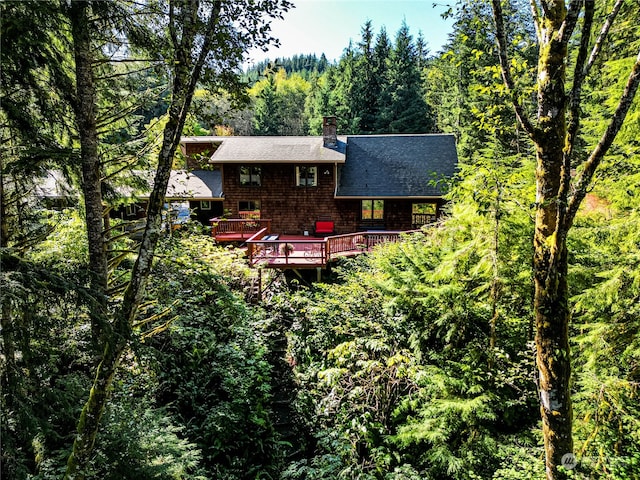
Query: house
[[194, 194], [197, 192], [304, 186], [350, 183]]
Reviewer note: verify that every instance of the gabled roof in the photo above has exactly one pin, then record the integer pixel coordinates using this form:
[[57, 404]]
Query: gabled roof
[[384, 166], [261, 149], [195, 184]]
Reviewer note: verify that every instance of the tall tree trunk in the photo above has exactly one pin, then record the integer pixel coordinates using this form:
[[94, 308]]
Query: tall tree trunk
[[558, 197], [187, 72], [551, 296], [86, 111]]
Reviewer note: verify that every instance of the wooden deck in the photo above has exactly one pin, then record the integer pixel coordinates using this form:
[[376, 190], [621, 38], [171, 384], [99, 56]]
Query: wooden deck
[[282, 251], [237, 229]]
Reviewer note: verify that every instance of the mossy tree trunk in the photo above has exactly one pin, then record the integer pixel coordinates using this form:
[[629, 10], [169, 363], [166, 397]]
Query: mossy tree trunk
[[188, 36], [558, 196]]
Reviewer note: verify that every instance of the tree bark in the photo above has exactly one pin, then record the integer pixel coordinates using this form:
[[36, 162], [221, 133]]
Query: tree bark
[[555, 205], [85, 107], [551, 299]]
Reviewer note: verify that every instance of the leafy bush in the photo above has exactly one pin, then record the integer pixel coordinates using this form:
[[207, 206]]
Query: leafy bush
[[418, 362], [210, 362]]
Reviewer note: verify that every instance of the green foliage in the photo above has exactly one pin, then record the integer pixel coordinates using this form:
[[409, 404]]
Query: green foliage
[[210, 363], [375, 87], [396, 357], [471, 398], [45, 365], [607, 332], [416, 363], [464, 86], [406, 112], [279, 104], [66, 245], [140, 441]]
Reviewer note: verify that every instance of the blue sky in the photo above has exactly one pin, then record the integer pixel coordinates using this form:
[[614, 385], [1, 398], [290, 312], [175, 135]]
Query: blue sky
[[326, 26]]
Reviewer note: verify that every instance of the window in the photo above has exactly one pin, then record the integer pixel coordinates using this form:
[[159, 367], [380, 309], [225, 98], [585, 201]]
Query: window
[[205, 205], [249, 209], [130, 210], [306, 176], [423, 213], [250, 175], [372, 209]]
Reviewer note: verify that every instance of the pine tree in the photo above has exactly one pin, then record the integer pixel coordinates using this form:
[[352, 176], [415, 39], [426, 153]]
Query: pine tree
[[381, 54], [408, 111], [266, 120], [366, 87]]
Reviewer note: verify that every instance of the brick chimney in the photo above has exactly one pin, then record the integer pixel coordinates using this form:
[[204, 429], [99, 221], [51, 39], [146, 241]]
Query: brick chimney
[[329, 131]]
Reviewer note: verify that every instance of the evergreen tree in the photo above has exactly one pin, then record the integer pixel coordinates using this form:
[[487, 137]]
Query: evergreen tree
[[346, 79], [366, 87], [407, 111], [321, 100], [462, 88], [266, 120], [381, 54]]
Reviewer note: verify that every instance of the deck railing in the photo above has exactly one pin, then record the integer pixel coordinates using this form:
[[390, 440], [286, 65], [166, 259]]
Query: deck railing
[[358, 242], [276, 252], [419, 219], [243, 228], [261, 248]]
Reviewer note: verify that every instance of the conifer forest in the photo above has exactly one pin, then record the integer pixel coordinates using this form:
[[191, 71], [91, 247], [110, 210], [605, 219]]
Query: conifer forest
[[502, 342]]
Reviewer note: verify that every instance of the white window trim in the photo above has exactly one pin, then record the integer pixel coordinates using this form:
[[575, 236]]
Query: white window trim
[[300, 178]]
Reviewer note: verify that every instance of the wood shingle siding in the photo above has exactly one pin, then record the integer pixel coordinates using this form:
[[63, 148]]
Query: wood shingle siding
[[293, 209], [389, 173]]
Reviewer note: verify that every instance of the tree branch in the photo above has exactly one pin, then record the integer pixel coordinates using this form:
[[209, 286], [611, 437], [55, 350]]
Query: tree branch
[[590, 166], [571, 19], [498, 18], [102, 61], [604, 32], [579, 73], [124, 74], [535, 15], [574, 113]]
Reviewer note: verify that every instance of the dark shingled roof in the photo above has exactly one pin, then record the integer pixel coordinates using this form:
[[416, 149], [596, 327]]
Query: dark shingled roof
[[396, 165]]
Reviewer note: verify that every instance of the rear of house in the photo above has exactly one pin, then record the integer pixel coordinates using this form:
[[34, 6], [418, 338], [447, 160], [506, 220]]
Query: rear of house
[[372, 182]]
